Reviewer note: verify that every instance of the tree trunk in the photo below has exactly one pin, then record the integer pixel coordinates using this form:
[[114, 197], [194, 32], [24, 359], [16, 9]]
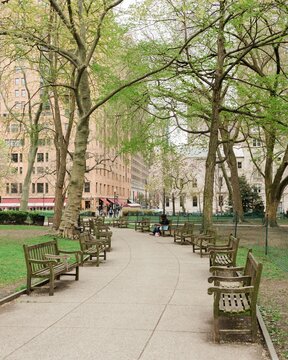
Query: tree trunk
[[214, 128], [33, 148], [232, 164], [173, 204], [75, 188], [27, 180]]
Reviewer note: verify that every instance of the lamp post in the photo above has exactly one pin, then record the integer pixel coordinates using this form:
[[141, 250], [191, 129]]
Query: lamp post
[[114, 204]]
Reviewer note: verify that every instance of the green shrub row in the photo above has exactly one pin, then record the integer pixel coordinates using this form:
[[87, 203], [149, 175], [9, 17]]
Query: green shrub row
[[21, 217]]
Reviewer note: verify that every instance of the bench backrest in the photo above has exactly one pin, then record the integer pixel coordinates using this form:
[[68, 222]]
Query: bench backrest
[[254, 270], [83, 238], [234, 247], [38, 252]]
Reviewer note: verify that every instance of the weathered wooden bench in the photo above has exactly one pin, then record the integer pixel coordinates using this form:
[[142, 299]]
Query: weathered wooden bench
[[166, 229], [50, 220], [235, 297], [143, 225], [220, 256], [91, 248], [203, 241], [184, 234], [102, 233], [45, 260]]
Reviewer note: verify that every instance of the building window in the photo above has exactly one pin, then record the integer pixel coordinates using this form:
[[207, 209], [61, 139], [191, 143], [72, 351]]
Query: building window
[[194, 183], [256, 142], [220, 200], [17, 81], [23, 92], [40, 157], [20, 188], [87, 204], [17, 93], [195, 201], [40, 188], [14, 142], [46, 188], [14, 158], [220, 181], [33, 188], [167, 201], [87, 187], [47, 156], [22, 81], [239, 165], [20, 170], [7, 188], [14, 188]]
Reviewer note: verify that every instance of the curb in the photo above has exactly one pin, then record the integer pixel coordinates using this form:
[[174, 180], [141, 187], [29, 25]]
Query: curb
[[267, 338]]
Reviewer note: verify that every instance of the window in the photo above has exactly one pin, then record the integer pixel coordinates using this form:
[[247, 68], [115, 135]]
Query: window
[[17, 93], [239, 165], [256, 142], [33, 188], [167, 201], [40, 157], [14, 142], [7, 188], [195, 201], [46, 188], [14, 188], [47, 156], [20, 188], [17, 68], [14, 128], [23, 92], [20, 170], [87, 204], [14, 158], [220, 200], [20, 157], [194, 183], [40, 188], [17, 81], [22, 81], [87, 187]]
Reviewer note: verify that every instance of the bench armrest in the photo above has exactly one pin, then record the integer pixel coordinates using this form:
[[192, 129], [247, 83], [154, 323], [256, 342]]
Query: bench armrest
[[229, 278], [223, 290], [43, 262], [225, 269]]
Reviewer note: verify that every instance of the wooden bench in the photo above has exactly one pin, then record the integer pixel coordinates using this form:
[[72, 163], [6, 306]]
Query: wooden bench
[[91, 248], [45, 260], [166, 228], [203, 241], [184, 234], [222, 256], [143, 225], [102, 233], [50, 220], [235, 297]]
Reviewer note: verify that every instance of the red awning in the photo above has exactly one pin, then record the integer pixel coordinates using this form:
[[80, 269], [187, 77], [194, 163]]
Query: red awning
[[111, 200], [105, 202]]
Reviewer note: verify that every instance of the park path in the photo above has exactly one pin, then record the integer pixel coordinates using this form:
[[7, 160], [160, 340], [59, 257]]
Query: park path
[[147, 301]]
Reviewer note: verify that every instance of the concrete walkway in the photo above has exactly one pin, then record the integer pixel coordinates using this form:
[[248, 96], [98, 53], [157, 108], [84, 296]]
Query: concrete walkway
[[147, 301]]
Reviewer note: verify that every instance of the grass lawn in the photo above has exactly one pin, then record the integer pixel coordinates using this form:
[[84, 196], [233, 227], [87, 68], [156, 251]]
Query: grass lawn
[[12, 238]]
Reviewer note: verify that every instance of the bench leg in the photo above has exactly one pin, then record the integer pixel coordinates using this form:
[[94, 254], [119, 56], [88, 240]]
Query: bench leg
[[77, 273], [28, 285], [51, 289]]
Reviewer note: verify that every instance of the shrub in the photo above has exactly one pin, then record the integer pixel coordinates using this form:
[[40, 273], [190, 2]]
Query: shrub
[[13, 217]]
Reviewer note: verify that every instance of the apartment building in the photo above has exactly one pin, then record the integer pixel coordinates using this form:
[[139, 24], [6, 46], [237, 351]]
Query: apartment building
[[108, 180]]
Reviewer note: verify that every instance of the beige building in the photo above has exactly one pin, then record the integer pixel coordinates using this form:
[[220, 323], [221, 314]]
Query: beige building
[[110, 179]]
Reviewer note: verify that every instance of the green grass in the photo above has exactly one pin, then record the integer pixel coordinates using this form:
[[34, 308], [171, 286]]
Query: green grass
[[270, 269], [12, 263]]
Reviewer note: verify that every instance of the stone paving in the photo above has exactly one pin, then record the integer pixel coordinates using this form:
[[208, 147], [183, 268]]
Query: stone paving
[[148, 301]]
